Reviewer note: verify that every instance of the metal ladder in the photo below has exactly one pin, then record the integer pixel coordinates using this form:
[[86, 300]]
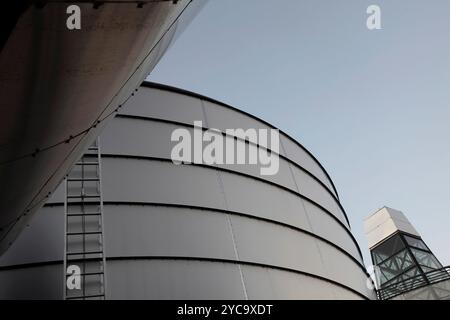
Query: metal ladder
[[84, 250]]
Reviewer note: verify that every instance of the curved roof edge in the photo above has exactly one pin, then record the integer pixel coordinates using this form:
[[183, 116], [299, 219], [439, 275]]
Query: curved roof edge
[[155, 85]]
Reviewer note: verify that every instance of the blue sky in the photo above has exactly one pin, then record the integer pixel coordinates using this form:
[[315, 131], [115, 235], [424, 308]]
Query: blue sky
[[372, 106]]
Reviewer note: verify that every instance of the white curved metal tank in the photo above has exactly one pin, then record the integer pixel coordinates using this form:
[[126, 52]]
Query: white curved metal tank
[[58, 87], [199, 231]]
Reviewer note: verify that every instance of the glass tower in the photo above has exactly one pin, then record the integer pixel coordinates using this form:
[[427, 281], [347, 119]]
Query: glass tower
[[402, 261]]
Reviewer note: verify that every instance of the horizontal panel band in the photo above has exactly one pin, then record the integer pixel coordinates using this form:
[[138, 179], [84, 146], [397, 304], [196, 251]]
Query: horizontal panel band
[[145, 158], [224, 134], [164, 87], [246, 215], [175, 258]]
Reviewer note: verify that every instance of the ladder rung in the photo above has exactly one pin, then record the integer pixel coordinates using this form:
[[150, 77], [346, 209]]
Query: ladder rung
[[90, 273], [86, 259], [83, 179], [83, 214], [82, 253], [83, 196], [86, 163], [82, 233], [88, 296]]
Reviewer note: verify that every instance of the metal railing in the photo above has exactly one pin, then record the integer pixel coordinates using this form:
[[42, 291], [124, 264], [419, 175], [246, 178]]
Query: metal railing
[[413, 283]]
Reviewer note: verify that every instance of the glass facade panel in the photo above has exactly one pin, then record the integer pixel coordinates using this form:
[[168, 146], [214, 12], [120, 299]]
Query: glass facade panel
[[387, 249], [426, 259], [406, 264], [417, 243], [395, 266], [401, 277]]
